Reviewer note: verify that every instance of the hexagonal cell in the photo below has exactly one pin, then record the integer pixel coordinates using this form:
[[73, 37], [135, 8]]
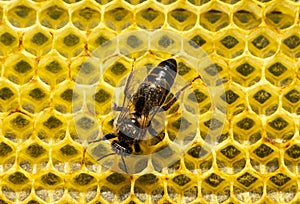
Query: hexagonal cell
[[150, 183], [230, 159], [21, 15], [282, 187], [231, 100], [182, 19], [280, 71], [291, 158], [70, 43], [199, 97], [86, 17], [263, 43], [280, 128], [17, 126], [214, 19], [198, 38], [247, 128], [264, 157], [52, 69], [8, 96], [214, 127], [248, 15], [19, 68], [9, 40], [35, 97], [215, 71], [246, 71], [102, 43], [165, 43], [66, 99], [291, 41], [54, 16], [36, 156], [114, 72], [85, 70], [116, 18], [216, 185], [264, 99], [7, 155], [133, 44], [51, 126], [281, 15], [99, 101], [37, 41], [198, 158], [150, 18], [230, 44], [291, 99]]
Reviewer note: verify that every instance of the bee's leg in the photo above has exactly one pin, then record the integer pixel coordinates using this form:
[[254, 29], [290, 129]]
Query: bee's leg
[[105, 137], [168, 105]]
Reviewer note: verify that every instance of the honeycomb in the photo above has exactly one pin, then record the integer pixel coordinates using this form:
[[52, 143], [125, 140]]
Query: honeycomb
[[238, 126]]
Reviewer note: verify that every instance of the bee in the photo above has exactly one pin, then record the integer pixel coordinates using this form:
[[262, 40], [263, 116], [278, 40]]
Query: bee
[[140, 107]]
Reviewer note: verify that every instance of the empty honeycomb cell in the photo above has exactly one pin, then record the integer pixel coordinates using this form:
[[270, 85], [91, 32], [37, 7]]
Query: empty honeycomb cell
[[69, 43], [150, 18], [280, 128], [263, 99], [247, 16], [215, 189], [37, 41], [165, 42], [22, 15], [247, 128], [182, 19], [85, 70], [114, 73], [214, 19], [66, 99], [9, 40], [52, 69], [291, 98], [51, 126], [102, 43], [19, 68], [199, 38], [87, 17], [246, 71], [244, 194], [290, 42], [283, 184], [35, 97], [118, 18], [280, 71], [8, 96], [17, 126], [280, 15], [263, 43], [54, 16], [229, 159], [231, 101], [133, 44], [230, 44]]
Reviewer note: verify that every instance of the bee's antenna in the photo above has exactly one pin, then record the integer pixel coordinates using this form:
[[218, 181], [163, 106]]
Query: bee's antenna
[[107, 155], [125, 167]]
